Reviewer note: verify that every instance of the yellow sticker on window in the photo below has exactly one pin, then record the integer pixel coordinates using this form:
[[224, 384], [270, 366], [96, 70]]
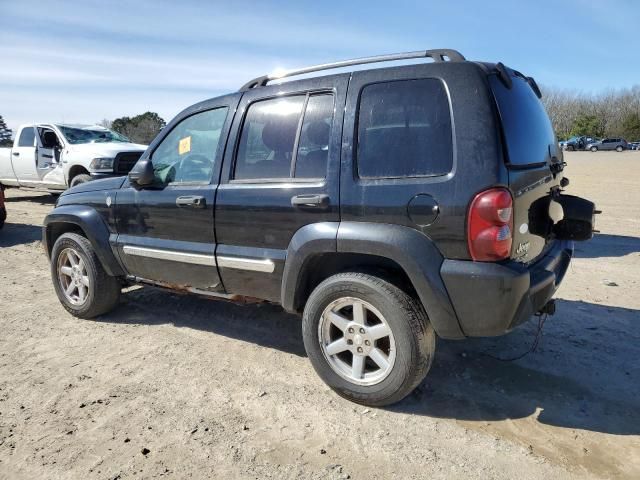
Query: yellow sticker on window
[[185, 145]]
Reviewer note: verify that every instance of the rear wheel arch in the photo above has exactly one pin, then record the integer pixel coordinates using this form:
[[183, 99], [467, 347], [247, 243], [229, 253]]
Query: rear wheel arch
[[403, 255]]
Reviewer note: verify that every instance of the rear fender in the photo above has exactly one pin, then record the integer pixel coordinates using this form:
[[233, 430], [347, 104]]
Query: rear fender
[[417, 255]]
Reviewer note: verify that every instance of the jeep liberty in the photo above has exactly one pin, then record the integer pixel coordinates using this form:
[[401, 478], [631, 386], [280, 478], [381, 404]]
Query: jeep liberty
[[387, 206]]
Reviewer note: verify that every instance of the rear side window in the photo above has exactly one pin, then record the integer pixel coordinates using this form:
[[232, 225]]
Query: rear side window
[[313, 146], [404, 130], [27, 137], [285, 138], [526, 126]]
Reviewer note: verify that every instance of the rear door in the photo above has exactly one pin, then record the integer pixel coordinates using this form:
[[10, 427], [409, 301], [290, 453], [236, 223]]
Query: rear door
[[166, 232], [531, 150], [281, 173], [23, 157]]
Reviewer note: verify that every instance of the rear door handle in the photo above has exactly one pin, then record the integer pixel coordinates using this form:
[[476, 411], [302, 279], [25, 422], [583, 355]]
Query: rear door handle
[[320, 201], [194, 201]]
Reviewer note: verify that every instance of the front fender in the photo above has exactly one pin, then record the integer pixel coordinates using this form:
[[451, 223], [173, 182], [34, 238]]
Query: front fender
[[419, 258], [94, 228]]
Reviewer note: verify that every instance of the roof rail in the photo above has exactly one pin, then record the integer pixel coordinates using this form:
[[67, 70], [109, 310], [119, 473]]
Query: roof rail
[[439, 55]]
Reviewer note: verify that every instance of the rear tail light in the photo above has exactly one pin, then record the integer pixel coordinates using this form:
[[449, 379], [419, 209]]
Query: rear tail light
[[490, 225]]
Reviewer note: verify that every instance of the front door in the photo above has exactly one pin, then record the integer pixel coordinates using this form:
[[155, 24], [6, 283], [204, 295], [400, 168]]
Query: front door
[[280, 174], [166, 232], [23, 157]]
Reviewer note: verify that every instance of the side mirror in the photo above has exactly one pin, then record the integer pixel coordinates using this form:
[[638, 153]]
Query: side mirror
[[142, 173]]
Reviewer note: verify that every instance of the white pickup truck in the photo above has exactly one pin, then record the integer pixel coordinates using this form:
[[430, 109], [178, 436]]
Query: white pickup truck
[[54, 156]]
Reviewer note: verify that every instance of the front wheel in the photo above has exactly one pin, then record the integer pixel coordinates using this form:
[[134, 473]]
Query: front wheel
[[83, 286], [619, 149], [80, 178], [367, 339], [594, 149]]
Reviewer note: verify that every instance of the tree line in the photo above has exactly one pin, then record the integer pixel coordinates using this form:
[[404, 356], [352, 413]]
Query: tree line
[[613, 113]]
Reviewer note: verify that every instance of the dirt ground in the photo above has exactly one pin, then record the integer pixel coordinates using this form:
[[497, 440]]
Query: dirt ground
[[172, 386]]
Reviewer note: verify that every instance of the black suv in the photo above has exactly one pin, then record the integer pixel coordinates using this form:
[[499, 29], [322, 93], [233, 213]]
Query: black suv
[[387, 206]]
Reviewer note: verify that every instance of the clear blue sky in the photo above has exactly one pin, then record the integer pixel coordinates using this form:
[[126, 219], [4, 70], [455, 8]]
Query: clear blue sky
[[82, 61]]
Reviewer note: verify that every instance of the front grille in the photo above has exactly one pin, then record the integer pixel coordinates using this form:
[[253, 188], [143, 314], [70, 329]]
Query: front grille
[[125, 161]]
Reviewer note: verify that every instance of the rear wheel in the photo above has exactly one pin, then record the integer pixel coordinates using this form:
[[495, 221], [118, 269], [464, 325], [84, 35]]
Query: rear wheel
[[83, 286], [619, 148], [367, 339], [594, 149], [80, 178]]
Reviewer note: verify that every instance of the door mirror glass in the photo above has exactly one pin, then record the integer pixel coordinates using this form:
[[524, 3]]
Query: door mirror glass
[[142, 173]]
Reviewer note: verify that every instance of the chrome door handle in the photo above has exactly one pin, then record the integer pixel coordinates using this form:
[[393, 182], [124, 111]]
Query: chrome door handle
[[195, 201], [320, 201]]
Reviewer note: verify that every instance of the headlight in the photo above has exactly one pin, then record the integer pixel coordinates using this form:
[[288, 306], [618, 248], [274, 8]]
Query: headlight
[[102, 164]]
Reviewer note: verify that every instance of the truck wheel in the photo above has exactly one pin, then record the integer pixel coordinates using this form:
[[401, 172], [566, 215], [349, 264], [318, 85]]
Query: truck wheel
[[81, 283], [367, 339], [80, 178]]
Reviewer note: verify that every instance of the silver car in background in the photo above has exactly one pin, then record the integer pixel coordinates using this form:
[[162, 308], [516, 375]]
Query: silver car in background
[[617, 144]]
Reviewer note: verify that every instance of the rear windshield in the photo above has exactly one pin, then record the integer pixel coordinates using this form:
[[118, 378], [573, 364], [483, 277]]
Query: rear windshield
[[525, 123]]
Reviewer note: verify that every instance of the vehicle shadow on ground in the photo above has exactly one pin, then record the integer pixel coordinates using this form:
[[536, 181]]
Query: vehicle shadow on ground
[[19, 233], [42, 199], [263, 324], [605, 245], [584, 374]]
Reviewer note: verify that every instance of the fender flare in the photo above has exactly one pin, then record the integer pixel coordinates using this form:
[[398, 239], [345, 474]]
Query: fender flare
[[308, 241], [94, 228], [419, 258], [413, 251]]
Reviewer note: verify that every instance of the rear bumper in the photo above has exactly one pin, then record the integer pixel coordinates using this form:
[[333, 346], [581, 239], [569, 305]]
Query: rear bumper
[[492, 298]]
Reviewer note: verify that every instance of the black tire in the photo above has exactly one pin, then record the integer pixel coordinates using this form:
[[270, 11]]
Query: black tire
[[3, 216], [619, 149], [103, 290], [80, 178], [594, 149], [414, 337], [571, 148]]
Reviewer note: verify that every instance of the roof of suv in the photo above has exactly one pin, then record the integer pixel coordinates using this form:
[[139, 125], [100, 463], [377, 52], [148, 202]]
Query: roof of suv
[[438, 56]]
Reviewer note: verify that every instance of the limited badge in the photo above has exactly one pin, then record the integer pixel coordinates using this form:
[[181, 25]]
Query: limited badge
[[108, 201], [184, 146]]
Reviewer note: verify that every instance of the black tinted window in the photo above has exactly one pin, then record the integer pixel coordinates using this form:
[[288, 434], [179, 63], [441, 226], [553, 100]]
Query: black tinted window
[[313, 146], [526, 126], [27, 137], [268, 137], [404, 130]]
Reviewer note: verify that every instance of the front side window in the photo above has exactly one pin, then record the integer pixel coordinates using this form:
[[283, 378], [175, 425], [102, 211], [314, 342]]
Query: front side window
[[27, 137], [187, 154], [404, 130], [273, 128]]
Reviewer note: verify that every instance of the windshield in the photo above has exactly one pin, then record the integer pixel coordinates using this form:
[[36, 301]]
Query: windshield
[[76, 135]]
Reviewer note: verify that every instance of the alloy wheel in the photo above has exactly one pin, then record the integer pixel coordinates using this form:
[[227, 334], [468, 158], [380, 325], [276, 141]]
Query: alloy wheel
[[357, 341], [73, 276]]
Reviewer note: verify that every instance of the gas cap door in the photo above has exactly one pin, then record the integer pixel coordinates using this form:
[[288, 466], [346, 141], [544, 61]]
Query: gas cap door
[[423, 210]]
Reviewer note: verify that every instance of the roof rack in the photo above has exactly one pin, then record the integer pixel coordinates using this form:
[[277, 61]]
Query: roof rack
[[439, 55]]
